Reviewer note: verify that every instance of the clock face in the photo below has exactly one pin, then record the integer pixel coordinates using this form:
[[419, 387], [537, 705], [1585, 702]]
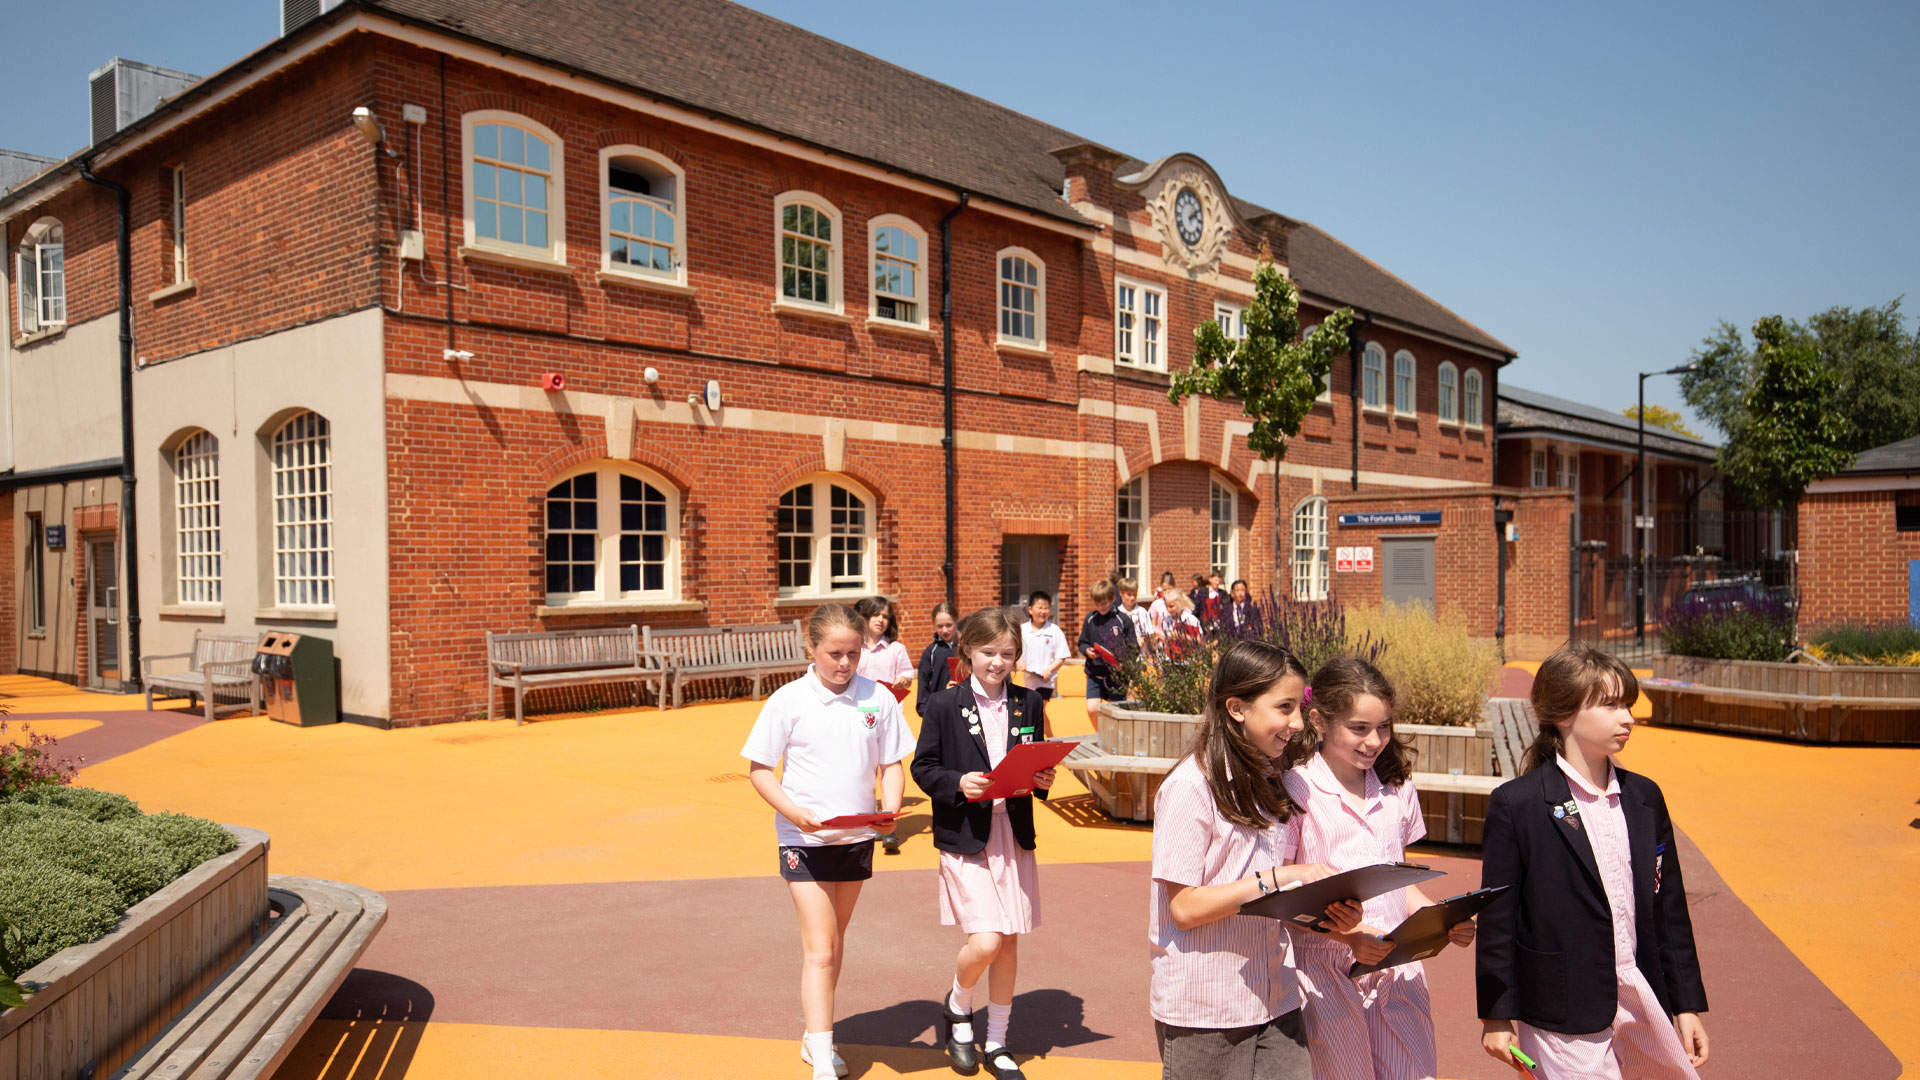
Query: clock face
[[1186, 216]]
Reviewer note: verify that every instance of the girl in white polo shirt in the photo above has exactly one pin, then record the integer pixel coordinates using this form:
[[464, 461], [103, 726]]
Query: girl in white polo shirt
[[830, 732], [1225, 997]]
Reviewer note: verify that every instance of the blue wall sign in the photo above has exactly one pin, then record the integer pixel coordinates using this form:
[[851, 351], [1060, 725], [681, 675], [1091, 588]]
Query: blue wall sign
[[1391, 517], [56, 537]]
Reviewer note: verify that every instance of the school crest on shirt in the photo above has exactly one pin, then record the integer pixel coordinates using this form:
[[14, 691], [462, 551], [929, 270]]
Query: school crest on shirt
[[793, 859], [869, 715]]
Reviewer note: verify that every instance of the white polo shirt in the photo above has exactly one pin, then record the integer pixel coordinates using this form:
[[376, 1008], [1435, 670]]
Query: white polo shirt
[[832, 746], [1038, 650], [1142, 622]]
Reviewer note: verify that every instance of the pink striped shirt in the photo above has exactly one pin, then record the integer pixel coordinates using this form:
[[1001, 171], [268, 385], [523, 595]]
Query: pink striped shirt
[[1331, 831], [1606, 825], [885, 662], [1233, 972]]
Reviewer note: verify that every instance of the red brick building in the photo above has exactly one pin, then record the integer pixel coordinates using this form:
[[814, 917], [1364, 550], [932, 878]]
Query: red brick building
[[547, 339], [1860, 541]]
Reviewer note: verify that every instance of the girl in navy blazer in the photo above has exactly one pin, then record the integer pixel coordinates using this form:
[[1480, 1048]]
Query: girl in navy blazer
[[1587, 963], [989, 881]]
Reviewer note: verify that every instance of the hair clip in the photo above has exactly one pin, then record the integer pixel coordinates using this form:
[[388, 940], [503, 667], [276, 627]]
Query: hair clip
[[1306, 697]]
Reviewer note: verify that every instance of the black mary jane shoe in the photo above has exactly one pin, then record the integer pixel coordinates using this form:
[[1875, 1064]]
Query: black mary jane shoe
[[964, 1055], [998, 1073]]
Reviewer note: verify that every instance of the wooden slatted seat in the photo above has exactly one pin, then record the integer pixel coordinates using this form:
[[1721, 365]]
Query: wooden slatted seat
[[246, 1023], [1513, 725], [533, 661], [217, 664], [710, 652]]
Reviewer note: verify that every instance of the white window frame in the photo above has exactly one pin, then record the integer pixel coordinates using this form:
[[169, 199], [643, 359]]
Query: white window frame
[[1004, 283], [1232, 319], [301, 463], [1310, 567], [675, 207], [1139, 324], [1220, 490], [1448, 382], [1470, 394], [555, 250], [1567, 473], [608, 533], [196, 519], [1134, 493], [178, 175], [836, 244], [820, 559], [1537, 472], [40, 277], [1373, 378], [1406, 384], [918, 263]]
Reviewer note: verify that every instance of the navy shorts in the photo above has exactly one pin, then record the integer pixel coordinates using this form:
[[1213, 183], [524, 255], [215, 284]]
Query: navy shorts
[[828, 862], [1098, 690]]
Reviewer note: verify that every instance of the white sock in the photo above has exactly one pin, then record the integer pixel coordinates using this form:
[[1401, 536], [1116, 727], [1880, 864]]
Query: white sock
[[820, 1051], [960, 1003], [997, 1017]]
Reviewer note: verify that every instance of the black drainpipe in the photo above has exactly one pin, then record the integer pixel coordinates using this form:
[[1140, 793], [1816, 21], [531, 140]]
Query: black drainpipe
[[947, 441], [1354, 349], [130, 580]]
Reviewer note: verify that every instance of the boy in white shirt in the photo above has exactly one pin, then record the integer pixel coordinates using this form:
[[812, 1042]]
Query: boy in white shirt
[[1143, 631], [1043, 648]]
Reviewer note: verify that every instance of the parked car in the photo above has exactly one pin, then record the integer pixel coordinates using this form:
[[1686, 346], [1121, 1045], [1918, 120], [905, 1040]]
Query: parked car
[[1737, 594]]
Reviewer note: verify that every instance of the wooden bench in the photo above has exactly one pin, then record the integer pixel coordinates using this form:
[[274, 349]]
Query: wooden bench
[[247, 1022], [1513, 725], [216, 664], [1126, 783], [535, 661], [1454, 776], [1799, 706], [713, 652]]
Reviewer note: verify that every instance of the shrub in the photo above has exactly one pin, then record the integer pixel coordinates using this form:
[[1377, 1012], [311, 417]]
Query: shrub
[[89, 803], [1895, 644], [28, 762], [1314, 631], [13, 813], [1714, 630], [133, 864], [50, 907], [1440, 675], [190, 841]]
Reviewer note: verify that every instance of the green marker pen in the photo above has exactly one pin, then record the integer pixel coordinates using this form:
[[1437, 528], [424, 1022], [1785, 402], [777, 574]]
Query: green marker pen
[[1527, 1063]]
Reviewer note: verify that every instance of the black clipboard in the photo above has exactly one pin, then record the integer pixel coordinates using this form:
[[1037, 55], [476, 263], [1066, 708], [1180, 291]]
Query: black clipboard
[[1424, 932], [1306, 905]]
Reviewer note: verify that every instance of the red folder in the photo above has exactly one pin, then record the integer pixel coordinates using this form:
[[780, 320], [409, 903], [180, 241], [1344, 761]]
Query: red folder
[[900, 692], [1101, 654], [856, 821], [1014, 777], [953, 669]]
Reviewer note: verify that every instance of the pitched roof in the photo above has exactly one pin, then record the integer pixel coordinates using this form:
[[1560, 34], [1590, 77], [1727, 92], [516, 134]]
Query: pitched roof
[[1521, 411], [18, 165], [1324, 266], [1897, 457]]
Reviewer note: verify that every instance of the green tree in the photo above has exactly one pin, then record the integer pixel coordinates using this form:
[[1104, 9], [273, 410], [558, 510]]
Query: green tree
[[1791, 437], [1661, 417], [1274, 375]]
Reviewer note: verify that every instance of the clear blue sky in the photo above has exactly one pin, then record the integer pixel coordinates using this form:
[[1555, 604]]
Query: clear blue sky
[[1596, 185]]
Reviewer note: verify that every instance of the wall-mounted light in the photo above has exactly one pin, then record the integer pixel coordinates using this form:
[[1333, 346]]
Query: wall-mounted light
[[370, 128], [652, 375], [455, 354]]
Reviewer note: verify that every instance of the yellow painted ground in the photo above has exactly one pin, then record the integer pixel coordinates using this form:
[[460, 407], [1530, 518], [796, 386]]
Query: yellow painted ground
[[30, 693], [57, 729], [1642, 709]]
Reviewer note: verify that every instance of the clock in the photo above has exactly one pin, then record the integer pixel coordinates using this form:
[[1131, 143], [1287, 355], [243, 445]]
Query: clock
[[1186, 216], [713, 395]]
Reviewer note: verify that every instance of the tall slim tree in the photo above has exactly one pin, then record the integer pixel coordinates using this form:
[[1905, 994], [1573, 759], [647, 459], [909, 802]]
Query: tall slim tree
[[1791, 436]]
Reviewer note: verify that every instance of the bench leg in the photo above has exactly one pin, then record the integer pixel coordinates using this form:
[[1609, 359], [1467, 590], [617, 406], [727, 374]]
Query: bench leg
[[493, 699], [149, 697], [519, 703], [677, 681]]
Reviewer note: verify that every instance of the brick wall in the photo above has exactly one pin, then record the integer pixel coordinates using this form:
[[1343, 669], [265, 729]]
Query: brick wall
[[1853, 564]]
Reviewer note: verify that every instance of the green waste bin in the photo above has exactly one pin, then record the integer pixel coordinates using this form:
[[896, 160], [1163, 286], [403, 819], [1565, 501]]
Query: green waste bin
[[296, 678]]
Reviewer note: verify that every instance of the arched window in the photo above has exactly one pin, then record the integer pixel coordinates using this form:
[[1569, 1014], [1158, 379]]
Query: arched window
[[1130, 540], [1449, 379], [515, 186], [899, 271], [196, 518], [40, 274], [1223, 517], [1470, 398], [612, 535], [807, 251], [1403, 383], [643, 195], [1373, 377], [1310, 549], [302, 454], [824, 538], [1023, 299]]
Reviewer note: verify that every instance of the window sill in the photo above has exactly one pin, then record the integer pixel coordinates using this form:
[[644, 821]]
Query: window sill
[[802, 311], [816, 599], [1407, 418], [193, 611], [1142, 374], [1016, 348], [618, 607], [549, 265], [21, 341], [37, 635], [317, 613], [642, 282], [161, 296], [1376, 410], [894, 326], [1448, 423]]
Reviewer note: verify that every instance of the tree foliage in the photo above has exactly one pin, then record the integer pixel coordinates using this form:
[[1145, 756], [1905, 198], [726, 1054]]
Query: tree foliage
[[1274, 375], [1792, 437], [1661, 417]]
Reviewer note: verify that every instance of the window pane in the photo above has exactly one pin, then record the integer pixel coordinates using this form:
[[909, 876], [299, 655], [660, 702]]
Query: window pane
[[513, 145], [486, 140], [484, 184], [538, 154]]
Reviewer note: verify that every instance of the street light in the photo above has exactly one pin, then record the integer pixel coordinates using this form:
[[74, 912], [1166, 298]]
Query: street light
[[1639, 504]]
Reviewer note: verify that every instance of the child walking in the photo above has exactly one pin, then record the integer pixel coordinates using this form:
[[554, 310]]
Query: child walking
[[1043, 647], [882, 658], [1225, 998], [989, 881], [1109, 632], [1588, 962], [1361, 809], [933, 670], [830, 733]]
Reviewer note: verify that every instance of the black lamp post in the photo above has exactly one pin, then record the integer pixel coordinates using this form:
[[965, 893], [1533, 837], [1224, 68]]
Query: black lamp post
[[1639, 503]]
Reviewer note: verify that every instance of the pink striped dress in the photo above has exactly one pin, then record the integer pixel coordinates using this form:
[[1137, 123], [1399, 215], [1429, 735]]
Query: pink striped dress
[[1641, 1044], [997, 889], [1379, 1026]]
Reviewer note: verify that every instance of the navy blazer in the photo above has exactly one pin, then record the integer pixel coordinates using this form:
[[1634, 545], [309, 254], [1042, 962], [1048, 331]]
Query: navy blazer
[[932, 672], [947, 750], [1544, 950]]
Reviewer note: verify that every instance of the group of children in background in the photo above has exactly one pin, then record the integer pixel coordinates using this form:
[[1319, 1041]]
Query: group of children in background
[[1585, 965]]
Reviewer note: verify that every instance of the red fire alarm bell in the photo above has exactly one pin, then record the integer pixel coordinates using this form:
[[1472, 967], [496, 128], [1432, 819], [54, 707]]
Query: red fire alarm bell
[[553, 380]]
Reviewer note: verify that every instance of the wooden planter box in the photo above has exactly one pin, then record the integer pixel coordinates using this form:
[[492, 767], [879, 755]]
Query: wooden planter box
[[1810, 702], [1134, 753], [95, 1004], [1443, 753]]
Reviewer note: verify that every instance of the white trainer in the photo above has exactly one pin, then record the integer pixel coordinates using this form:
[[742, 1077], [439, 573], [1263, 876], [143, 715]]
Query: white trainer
[[839, 1063]]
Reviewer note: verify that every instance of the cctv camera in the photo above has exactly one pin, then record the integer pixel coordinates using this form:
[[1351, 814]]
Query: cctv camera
[[370, 128]]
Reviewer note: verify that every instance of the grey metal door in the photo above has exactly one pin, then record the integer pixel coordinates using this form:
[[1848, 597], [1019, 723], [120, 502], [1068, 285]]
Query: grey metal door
[[103, 614], [1406, 570]]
